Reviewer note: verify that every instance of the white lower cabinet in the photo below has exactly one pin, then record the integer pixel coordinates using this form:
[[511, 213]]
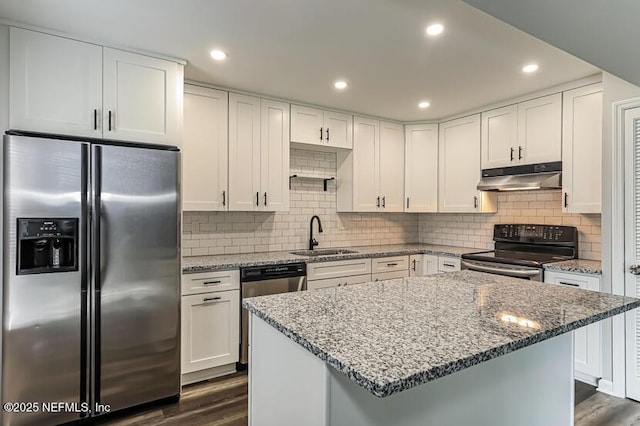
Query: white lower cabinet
[[338, 282], [587, 340], [210, 325], [416, 265], [448, 264]]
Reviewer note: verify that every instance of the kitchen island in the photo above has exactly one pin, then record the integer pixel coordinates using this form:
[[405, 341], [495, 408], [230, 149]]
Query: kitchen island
[[452, 349]]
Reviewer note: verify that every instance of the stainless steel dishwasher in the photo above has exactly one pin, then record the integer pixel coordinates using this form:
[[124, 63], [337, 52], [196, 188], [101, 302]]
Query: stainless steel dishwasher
[[264, 280]]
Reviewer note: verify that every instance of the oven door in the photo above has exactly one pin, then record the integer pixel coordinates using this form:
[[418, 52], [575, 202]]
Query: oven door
[[516, 271]]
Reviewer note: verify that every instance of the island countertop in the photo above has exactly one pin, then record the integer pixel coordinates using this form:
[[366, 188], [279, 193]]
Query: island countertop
[[390, 336]]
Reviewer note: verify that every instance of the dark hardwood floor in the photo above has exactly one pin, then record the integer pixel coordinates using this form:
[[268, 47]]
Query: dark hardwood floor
[[223, 402]]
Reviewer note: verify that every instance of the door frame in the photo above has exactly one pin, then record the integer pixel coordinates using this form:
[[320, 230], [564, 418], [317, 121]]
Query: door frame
[[615, 269]]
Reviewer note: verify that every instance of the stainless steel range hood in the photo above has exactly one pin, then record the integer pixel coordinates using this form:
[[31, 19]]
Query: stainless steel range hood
[[522, 178]]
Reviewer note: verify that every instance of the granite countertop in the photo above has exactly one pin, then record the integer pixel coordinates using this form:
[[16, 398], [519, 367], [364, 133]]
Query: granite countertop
[[233, 261], [582, 266], [390, 336]]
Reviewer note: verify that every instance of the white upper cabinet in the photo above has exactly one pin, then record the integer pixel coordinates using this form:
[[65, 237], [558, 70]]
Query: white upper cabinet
[[499, 137], [274, 155], [540, 130], [205, 149], [56, 84], [321, 128], [459, 168], [371, 177], [421, 168], [526, 133], [581, 150], [391, 167], [258, 154], [141, 98], [68, 87], [366, 197]]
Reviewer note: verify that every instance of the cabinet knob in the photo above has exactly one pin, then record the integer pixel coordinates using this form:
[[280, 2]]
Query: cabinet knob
[[378, 202], [327, 134], [566, 200], [475, 201], [519, 153], [634, 269], [512, 151], [320, 133]]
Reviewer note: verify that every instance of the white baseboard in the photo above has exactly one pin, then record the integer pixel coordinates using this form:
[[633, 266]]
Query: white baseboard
[[585, 378], [606, 386], [209, 373]]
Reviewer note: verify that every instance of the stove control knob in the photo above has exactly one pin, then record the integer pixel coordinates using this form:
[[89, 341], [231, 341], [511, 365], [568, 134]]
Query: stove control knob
[[634, 269]]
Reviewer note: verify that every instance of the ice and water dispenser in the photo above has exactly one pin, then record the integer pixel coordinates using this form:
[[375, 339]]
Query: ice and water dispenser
[[47, 245]]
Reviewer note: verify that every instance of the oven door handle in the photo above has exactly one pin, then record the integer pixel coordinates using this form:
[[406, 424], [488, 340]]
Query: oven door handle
[[519, 273]]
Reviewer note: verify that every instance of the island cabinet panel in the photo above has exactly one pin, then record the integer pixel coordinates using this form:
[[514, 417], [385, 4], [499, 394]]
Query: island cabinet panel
[[421, 168], [581, 150], [459, 168], [290, 386], [587, 340]]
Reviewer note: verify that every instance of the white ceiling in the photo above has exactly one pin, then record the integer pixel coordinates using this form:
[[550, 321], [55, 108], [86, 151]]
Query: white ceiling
[[295, 49], [605, 33]]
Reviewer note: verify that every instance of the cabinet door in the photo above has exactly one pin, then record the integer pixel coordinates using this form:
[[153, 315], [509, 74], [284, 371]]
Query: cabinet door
[[274, 151], [421, 168], [244, 152], [338, 129], [581, 149], [459, 165], [430, 264], [307, 125], [416, 265], [540, 130], [144, 97], [366, 138], [210, 330], [499, 137], [587, 340], [56, 84], [205, 155], [391, 167]]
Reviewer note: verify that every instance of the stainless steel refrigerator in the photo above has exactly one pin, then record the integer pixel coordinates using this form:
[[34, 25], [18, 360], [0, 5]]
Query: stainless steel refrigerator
[[90, 278]]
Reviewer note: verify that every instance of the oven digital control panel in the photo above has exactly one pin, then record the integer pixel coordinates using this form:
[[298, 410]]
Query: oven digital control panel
[[535, 233]]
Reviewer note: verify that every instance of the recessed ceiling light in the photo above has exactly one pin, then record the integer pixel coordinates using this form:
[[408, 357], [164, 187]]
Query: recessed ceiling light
[[424, 104], [218, 55], [435, 29], [529, 68], [340, 85]]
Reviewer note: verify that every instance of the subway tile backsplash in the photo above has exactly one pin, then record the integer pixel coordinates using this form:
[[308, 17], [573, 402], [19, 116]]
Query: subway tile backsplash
[[535, 207], [245, 232], [207, 233]]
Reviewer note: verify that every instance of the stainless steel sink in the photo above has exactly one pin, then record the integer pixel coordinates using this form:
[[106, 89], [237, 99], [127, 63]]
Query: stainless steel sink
[[322, 252]]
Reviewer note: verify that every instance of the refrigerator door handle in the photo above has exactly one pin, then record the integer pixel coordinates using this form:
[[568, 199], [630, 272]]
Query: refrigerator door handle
[[97, 266], [84, 279]]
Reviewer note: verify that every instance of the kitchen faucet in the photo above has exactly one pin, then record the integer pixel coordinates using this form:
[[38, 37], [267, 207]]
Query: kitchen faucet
[[312, 241]]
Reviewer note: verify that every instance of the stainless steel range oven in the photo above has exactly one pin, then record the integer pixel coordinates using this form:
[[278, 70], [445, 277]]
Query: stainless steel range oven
[[521, 250]]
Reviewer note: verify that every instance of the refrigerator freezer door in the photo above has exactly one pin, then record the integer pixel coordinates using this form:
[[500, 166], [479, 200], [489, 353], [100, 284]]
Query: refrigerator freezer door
[[44, 355], [137, 299]]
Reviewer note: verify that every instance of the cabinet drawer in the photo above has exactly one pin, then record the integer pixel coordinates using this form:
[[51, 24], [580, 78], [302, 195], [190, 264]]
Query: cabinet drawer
[[585, 282], [448, 264], [338, 269], [338, 282], [207, 282], [390, 264], [381, 276]]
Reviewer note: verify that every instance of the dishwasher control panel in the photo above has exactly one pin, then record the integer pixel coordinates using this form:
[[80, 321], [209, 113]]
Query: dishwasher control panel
[[269, 272]]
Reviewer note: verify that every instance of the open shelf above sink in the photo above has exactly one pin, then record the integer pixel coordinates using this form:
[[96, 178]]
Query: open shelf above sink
[[302, 176]]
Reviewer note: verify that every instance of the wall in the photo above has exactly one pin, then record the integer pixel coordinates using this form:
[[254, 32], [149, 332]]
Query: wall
[[244, 232], [476, 230]]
